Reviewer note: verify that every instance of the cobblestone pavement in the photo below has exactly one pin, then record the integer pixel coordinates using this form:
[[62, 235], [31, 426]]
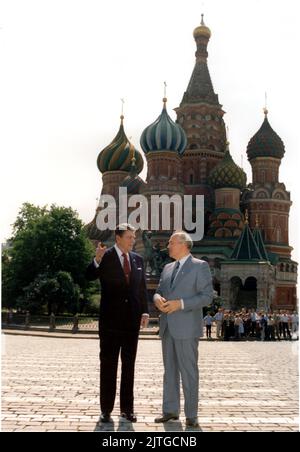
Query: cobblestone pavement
[[51, 384]]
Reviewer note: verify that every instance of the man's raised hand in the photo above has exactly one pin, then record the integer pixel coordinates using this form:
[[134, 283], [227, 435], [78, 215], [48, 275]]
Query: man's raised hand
[[100, 251]]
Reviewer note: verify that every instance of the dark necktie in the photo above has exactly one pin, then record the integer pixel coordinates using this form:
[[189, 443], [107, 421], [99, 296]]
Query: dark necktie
[[175, 270], [126, 268]]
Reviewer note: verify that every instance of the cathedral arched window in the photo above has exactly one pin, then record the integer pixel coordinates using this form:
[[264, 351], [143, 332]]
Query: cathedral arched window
[[278, 195], [261, 195], [191, 179]]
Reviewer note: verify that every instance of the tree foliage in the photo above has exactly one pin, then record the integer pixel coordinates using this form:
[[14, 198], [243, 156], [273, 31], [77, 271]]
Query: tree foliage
[[46, 261]]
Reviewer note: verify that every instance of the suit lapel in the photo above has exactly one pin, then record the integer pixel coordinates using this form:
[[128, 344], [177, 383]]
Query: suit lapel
[[118, 266], [132, 268], [168, 276], [182, 271]]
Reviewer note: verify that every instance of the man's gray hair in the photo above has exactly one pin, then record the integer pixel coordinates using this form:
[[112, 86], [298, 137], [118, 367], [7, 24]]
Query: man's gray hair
[[184, 237]]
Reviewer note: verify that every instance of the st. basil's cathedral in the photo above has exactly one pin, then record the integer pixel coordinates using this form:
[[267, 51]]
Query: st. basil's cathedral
[[246, 239]]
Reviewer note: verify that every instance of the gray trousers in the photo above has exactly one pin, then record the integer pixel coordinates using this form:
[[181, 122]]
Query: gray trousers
[[180, 358]]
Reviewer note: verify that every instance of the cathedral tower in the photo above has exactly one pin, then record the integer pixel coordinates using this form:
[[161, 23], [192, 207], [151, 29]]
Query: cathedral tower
[[268, 198], [163, 143], [119, 163], [201, 116]]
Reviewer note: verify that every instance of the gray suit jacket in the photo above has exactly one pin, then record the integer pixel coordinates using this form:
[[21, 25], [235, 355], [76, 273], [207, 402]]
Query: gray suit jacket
[[194, 285]]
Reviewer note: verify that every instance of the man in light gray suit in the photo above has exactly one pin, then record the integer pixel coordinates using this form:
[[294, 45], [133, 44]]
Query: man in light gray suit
[[184, 288]]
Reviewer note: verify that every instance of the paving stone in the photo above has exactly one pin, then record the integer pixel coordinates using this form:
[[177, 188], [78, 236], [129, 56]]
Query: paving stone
[[52, 384]]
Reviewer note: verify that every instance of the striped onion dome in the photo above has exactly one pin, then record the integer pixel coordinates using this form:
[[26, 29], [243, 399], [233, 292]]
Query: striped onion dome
[[163, 135], [227, 174], [118, 154]]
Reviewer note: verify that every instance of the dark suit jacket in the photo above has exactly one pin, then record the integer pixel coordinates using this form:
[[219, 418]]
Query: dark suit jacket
[[121, 304]]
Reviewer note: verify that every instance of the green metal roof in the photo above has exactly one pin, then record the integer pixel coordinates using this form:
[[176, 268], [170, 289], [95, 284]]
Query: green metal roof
[[260, 243], [246, 248]]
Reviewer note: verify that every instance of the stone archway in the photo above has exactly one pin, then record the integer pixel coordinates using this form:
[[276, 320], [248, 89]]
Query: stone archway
[[243, 295], [248, 295]]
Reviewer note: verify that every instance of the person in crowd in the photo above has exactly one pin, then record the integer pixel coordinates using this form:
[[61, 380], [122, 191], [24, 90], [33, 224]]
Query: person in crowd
[[218, 318], [208, 320]]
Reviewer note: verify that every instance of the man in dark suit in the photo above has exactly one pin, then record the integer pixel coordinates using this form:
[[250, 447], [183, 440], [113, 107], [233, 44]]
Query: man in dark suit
[[123, 310]]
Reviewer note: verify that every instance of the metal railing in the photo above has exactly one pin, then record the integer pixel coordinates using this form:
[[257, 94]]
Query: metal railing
[[61, 323], [72, 324]]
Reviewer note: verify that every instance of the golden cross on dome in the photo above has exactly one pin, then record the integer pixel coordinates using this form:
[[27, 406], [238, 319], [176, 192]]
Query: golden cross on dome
[[265, 107], [202, 15], [122, 109], [165, 94]]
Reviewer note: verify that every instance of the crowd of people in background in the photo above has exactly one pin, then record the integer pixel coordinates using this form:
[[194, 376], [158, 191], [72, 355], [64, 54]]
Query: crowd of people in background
[[251, 324]]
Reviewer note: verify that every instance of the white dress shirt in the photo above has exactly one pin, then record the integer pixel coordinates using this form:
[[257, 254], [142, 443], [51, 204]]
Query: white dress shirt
[[181, 263]]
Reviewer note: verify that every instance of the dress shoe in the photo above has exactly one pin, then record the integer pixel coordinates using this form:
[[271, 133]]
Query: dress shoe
[[130, 417], [105, 417], [167, 417], [192, 422]]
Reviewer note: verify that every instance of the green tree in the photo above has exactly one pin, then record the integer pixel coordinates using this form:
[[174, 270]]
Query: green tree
[[49, 253], [57, 293]]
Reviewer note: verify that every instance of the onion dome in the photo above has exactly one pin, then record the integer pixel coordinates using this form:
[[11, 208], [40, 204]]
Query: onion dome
[[202, 30], [163, 135], [266, 142], [118, 154], [227, 174], [133, 182]]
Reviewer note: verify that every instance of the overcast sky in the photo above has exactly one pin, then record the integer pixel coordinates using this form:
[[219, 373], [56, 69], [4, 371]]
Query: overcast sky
[[66, 64]]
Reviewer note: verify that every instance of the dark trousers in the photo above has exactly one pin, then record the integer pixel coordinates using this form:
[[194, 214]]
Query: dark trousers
[[253, 328], [112, 344], [286, 330], [208, 330]]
